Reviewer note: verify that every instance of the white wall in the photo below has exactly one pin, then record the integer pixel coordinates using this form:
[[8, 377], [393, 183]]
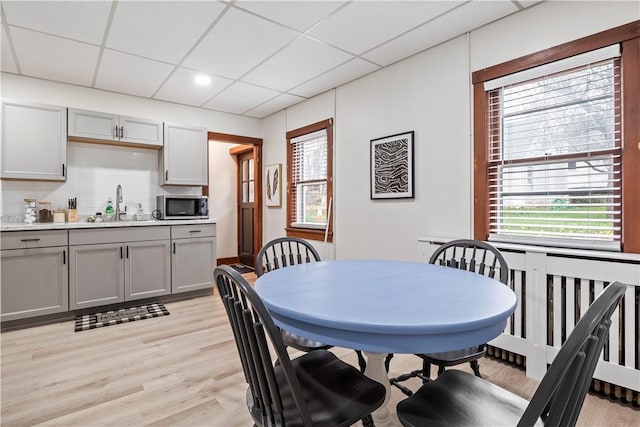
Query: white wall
[[94, 170], [429, 93], [274, 129], [223, 197]]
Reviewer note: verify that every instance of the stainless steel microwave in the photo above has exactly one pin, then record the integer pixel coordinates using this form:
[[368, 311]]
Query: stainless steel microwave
[[183, 207]]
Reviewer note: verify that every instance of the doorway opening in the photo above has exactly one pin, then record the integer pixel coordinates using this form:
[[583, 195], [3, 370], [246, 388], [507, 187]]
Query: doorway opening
[[247, 155]]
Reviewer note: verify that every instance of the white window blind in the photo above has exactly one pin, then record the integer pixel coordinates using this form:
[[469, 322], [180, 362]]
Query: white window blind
[[309, 180], [554, 158]]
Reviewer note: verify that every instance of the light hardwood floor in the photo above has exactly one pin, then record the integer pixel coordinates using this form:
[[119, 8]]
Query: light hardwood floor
[[176, 370]]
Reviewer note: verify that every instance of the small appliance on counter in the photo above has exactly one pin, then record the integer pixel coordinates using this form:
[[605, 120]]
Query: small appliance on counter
[[182, 207]]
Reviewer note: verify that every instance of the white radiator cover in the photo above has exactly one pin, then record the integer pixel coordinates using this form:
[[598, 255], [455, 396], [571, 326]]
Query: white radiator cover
[[554, 287]]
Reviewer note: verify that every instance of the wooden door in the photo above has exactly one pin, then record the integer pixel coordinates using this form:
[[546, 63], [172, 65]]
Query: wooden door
[[246, 198]]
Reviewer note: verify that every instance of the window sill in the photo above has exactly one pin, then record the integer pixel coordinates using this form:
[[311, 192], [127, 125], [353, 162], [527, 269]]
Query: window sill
[[309, 233]]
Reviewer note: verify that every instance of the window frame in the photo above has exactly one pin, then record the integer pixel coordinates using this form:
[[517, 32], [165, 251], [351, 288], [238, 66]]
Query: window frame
[[309, 232], [628, 36]]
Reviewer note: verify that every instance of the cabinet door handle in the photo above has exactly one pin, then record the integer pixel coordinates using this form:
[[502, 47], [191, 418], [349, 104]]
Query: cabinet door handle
[[127, 251], [121, 131], [120, 252], [64, 257], [63, 169], [166, 175], [174, 248], [29, 240], [115, 129]]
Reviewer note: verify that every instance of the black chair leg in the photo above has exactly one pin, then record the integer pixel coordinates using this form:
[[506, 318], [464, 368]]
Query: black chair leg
[[426, 369], [440, 369], [361, 362], [387, 361], [368, 421], [475, 366]]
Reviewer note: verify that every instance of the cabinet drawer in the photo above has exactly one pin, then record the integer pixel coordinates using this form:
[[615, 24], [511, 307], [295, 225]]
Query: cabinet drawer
[[33, 239], [195, 230], [117, 235]]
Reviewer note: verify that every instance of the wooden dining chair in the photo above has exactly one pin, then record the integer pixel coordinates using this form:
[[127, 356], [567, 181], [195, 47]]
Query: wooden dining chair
[[284, 252], [315, 389], [461, 399], [471, 255]]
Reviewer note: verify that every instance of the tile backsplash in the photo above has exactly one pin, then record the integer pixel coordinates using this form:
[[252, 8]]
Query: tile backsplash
[[93, 172]]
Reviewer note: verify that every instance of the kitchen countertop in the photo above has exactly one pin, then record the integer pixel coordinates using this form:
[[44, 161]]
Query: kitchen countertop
[[38, 226]]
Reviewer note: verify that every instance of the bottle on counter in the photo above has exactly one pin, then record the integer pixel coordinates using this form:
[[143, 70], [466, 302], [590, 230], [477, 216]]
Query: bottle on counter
[[108, 211]]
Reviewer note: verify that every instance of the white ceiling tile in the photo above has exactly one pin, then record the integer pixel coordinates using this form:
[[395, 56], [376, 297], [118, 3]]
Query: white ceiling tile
[[78, 20], [459, 21], [120, 72], [336, 77], [527, 3], [162, 30], [300, 15], [274, 105], [54, 58], [237, 43], [8, 64], [182, 89], [363, 25], [240, 97], [302, 60]]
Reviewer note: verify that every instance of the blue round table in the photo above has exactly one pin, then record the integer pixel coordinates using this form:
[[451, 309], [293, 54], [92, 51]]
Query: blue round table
[[384, 307]]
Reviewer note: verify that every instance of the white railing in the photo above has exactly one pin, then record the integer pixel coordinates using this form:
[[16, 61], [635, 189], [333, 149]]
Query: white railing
[[554, 288]]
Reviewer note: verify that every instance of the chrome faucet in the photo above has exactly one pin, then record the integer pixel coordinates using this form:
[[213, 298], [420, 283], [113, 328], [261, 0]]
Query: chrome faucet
[[118, 201]]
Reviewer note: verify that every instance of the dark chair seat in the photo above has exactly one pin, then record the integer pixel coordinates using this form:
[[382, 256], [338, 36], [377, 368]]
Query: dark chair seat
[[335, 391], [456, 357], [456, 398]]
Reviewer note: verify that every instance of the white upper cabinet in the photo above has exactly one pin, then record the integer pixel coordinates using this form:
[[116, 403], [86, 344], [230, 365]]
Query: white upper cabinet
[[93, 126], [183, 159], [34, 141]]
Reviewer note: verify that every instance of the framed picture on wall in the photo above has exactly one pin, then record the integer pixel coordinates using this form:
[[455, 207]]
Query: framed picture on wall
[[273, 185], [392, 167]]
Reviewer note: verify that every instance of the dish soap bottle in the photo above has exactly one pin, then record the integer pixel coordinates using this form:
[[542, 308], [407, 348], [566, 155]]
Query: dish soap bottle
[[108, 211]]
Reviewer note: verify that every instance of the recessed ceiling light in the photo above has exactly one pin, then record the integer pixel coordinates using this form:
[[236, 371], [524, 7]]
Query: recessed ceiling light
[[202, 80]]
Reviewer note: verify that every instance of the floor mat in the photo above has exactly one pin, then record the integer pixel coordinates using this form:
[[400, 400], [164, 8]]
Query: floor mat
[[241, 268], [116, 317]]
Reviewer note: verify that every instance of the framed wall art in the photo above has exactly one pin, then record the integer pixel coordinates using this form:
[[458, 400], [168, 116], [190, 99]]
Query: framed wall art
[[273, 185], [392, 167]]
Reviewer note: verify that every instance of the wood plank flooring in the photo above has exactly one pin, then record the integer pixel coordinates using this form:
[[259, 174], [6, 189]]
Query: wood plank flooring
[[176, 370]]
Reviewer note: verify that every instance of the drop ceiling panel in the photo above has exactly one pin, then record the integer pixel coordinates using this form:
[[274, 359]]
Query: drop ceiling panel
[[237, 43], [338, 76], [8, 62], [182, 89], [452, 24], [274, 105], [160, 30], [240, 97], [54, 58], [300, 61], [361, 26], [82, 21], [121, 72], [300, 15]]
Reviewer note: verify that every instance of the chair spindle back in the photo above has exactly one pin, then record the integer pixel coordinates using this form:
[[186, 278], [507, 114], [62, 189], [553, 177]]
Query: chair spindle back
[[284, 252], [472, 255], [253, 330]]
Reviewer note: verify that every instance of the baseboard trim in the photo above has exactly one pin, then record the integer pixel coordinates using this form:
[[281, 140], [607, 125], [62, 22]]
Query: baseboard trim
[[229, 260]]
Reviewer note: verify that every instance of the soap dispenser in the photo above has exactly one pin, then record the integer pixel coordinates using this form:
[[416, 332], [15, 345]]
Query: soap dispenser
[[109, 209]]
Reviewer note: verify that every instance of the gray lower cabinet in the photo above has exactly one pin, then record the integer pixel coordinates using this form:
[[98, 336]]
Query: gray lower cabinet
[[34, 268], [124, 264], [193, 257]]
